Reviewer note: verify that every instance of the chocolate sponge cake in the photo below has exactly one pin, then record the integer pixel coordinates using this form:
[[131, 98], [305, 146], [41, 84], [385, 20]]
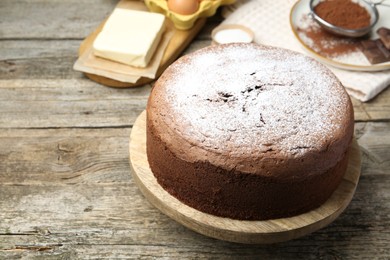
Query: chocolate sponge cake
[[250, 132]]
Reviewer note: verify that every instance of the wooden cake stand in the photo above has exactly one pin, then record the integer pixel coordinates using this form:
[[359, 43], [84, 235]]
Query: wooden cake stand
[[253, 232]]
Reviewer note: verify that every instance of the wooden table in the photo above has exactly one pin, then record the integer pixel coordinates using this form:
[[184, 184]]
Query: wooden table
[[65, 184]]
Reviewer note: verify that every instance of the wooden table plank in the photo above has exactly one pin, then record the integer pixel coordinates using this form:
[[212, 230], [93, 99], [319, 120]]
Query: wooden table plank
[[90, 155], [64, 156], [103, 216], [68, 103], [374, 141], [38, 59], [52, 19]]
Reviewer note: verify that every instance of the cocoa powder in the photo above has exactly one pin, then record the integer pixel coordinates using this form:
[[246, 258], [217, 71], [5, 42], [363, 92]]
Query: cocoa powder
[[343, 13], [324, 43]]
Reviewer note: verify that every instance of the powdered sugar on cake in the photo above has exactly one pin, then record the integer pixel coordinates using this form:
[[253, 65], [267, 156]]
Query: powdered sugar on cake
[[239, 97]]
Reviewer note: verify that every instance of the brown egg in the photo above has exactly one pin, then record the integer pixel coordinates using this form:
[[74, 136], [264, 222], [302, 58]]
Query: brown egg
[[184, 7]]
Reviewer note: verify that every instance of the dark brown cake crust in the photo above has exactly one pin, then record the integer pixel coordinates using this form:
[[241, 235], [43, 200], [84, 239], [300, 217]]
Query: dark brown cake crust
[[274, 175], [237, 195]]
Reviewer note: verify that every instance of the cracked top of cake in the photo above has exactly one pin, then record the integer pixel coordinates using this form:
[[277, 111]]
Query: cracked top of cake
[[244, 100]]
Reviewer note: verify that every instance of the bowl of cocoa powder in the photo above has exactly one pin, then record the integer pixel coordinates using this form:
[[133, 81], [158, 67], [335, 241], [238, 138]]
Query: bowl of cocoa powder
[[345, 17]]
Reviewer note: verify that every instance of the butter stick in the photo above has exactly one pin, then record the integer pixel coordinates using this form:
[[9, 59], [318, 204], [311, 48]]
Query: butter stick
[[130, 37]]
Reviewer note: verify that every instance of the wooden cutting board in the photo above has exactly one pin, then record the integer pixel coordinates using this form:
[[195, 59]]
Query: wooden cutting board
[[241, 231], [178, 42]]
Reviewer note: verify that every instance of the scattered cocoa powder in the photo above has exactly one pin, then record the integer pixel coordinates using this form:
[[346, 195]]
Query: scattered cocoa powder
[[325, 43], [343, 13]]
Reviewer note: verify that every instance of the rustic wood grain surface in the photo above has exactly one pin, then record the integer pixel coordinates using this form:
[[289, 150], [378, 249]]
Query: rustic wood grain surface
[[66, 190]]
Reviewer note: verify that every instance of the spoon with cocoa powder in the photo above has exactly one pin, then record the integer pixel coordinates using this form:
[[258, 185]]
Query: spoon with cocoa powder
[[345, 17]]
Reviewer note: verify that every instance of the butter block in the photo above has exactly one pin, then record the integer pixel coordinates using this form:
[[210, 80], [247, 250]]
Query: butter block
[[130, 37]]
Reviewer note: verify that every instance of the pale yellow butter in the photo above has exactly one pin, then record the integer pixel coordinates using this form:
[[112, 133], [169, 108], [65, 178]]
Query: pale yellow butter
[[130, 37]]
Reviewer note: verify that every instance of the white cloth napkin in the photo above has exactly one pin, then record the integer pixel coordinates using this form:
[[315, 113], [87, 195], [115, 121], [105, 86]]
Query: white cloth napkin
[[269, 20]]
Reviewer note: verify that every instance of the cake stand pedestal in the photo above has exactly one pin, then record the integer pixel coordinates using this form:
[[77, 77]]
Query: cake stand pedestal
[[241, 231]]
